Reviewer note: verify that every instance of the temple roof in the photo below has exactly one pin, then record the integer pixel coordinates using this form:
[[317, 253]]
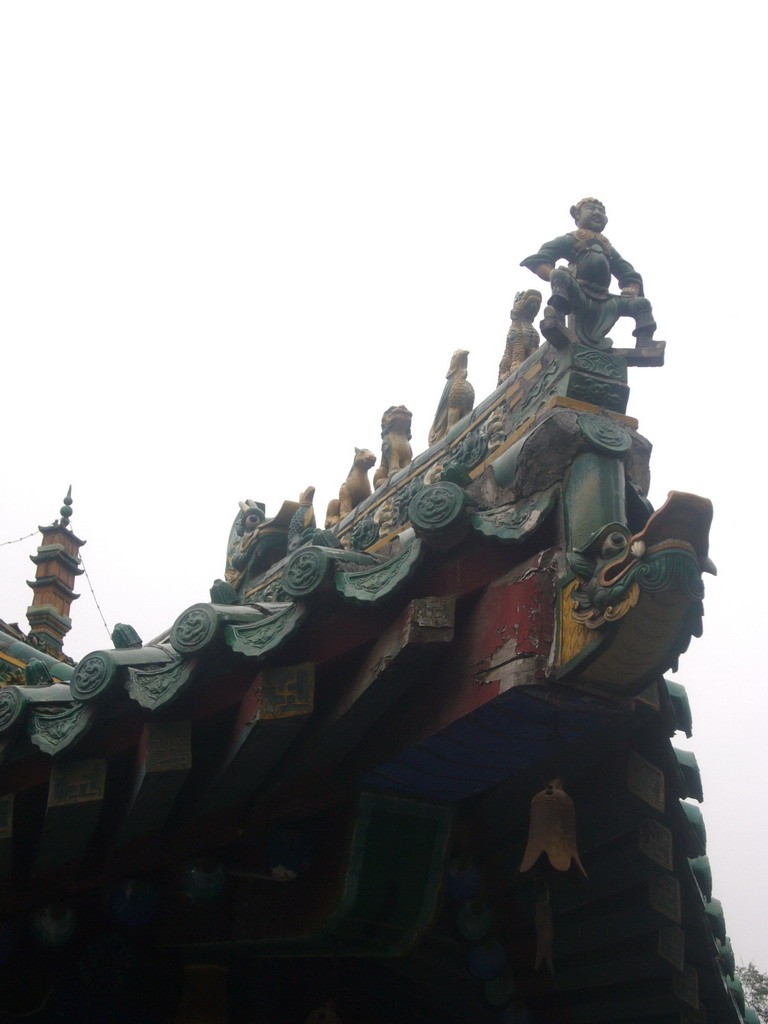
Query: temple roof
[[369, 710]]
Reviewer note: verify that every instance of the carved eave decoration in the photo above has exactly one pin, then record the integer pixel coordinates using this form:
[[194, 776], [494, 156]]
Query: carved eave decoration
[[625, 619], [54, 728], [547, 382]]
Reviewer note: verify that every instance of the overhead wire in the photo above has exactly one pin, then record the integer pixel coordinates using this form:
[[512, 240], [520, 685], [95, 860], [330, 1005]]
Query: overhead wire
[[93, 595], [16, 541]]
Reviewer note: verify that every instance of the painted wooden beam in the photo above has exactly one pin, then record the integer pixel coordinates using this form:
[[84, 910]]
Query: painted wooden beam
[[163, 762], [75, 795], [403, 652], [273, 710]]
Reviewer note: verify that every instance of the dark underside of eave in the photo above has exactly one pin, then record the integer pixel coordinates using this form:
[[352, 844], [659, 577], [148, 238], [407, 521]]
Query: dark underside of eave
[[521, 729]]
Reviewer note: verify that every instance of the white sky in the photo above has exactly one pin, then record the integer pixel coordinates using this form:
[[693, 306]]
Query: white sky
[[234, 233]]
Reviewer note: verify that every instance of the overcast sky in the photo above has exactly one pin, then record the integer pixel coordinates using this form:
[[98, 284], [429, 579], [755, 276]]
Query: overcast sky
[[234, 233]]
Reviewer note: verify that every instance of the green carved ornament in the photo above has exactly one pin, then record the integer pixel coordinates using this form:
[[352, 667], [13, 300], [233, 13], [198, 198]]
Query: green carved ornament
[[725, 954], [737, 993], [365, 533], [159, 685], [714, 911], [223, 593], [12, 706], [200, 624], [440, 513], [37, 674], [194, 629], [125, 637], [604, 434], [258, 638], [371, 585], [55, 729], [702, 872], [681, 707], [698, 828], [604, 364], [514, 522], [94, 675], [306, 571]]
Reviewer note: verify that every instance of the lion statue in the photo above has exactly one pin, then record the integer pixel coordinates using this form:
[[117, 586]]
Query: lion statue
[[396, 451]]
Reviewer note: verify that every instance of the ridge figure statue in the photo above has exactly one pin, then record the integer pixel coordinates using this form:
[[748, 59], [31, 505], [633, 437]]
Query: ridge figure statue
[[582, 288], [457, 399], [522, 336], [256, 542]]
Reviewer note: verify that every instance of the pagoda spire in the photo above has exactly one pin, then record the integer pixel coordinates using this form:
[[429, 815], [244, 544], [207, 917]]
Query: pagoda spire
[[57, 564]]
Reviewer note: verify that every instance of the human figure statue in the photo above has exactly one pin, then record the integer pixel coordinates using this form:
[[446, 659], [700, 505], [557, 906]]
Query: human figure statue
[[582, 288]]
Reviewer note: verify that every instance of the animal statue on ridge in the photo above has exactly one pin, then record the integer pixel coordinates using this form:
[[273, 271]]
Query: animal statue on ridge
[[457, 399], [303, 519], [396, 452], [522, 337], [356, 488], [256, 542]]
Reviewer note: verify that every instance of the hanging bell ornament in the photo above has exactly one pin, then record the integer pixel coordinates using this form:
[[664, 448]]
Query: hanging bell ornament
[[552, 830]]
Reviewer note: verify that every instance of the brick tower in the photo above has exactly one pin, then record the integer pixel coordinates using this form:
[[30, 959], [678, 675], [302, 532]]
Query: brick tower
[[57, 564]]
